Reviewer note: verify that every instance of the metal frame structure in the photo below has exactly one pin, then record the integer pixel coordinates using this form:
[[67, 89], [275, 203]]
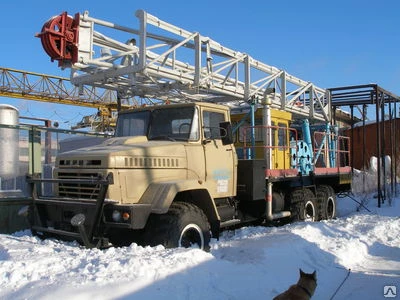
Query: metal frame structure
[[372, 94], [48, 88], [173, 64]]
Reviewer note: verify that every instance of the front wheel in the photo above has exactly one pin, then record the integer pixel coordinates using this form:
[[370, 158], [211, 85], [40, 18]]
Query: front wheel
[[184, 225]]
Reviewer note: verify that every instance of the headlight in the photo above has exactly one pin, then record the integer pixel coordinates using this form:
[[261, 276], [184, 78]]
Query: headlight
[[116, 216], [126, 216]]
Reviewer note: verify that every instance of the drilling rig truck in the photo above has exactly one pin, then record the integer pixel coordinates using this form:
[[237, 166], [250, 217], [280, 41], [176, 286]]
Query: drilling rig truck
[[178, 172]]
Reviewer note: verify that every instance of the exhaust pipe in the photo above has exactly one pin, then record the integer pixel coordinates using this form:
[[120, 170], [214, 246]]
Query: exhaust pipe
[[269, 215]]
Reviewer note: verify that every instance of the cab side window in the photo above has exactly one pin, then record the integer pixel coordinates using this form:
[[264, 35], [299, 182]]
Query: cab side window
[[211, 121]]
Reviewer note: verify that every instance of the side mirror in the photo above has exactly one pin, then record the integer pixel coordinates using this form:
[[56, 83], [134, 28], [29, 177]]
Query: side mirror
[[226, 133]]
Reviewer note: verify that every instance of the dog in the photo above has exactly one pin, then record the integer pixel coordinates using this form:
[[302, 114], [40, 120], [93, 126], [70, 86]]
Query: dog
[[302, 290]]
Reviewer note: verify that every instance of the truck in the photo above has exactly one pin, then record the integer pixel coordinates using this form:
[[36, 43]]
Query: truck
[[231, 141], [171, 175]]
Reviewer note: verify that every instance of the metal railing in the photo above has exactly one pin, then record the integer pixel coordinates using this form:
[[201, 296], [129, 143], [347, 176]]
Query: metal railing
[[331, 150], [254, 137]]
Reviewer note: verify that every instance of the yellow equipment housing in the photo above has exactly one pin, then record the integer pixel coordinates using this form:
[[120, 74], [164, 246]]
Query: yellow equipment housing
[[255, 149]]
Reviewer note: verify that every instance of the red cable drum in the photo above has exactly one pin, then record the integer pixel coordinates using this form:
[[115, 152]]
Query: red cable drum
[[59, 38]]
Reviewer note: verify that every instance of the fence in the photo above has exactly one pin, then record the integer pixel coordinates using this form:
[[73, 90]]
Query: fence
[[29, 149]]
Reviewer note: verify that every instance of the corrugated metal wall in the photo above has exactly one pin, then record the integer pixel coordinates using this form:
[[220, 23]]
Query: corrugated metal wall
[[369, 148]]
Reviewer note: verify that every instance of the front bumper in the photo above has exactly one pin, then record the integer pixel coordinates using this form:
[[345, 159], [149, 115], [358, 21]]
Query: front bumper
[[84, 220]]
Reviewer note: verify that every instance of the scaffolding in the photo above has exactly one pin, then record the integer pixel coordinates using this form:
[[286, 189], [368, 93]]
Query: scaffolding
[[360, 97]]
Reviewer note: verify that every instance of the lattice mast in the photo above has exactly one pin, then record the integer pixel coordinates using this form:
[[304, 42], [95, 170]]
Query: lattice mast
[[173, 64]]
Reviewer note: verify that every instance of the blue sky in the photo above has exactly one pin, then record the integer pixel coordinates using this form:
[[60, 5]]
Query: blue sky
[[330, 43]]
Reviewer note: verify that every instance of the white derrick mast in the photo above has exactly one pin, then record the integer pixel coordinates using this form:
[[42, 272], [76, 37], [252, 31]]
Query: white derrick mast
[[162, 61]]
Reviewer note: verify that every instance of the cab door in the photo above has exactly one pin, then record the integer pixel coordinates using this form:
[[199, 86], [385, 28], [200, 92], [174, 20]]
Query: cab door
[[220, 160]]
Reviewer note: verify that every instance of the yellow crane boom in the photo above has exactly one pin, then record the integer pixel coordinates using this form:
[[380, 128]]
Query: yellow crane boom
[[48, 88]]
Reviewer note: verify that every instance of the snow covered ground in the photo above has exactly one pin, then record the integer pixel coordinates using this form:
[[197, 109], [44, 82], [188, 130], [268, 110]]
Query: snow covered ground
[[249, 263]]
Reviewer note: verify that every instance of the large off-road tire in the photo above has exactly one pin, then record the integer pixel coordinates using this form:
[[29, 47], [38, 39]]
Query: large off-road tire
[[184, 225], [326, 202], [304, 206]]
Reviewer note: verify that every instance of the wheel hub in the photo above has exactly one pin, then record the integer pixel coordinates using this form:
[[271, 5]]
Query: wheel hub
[[191, 235]]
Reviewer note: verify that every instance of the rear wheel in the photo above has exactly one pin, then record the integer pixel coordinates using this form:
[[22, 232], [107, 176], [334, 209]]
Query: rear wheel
[[304, 206], [310, 210], [184, 225], [327, 202]]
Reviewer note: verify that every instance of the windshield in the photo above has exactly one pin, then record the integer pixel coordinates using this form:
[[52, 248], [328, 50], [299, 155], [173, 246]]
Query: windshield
[[180, 123], [133, 124]]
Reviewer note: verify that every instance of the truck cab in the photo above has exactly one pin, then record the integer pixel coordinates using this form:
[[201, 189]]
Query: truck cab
[[195, 131]]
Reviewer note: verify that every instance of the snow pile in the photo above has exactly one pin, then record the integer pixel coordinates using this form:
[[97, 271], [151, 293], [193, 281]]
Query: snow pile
[[249, 263]]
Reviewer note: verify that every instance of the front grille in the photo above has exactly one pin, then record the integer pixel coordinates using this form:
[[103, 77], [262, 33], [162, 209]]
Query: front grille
[[78, 190]]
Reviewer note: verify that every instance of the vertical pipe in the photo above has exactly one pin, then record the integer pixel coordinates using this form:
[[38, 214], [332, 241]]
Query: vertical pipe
[[307, 136], [253, 131], [267, 154], [395, 146], [268, 134], [391, 146], [337, 160], [352, 140], [47, 143], [383, 147], [329, 98], [269, 200], [332, 146], [378, 144], [32, 146], [334, 116], [247, 95], [363, 144]]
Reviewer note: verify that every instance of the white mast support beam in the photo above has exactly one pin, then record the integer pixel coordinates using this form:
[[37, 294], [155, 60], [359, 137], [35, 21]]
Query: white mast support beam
[[213, 72], [142, 38], [262, 83], [165, 54], [246, 78], [319, 98], [156, 22], [299, 92], [328, 112], [197, 60], [283, 90], [311, 104], [86, 29]]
